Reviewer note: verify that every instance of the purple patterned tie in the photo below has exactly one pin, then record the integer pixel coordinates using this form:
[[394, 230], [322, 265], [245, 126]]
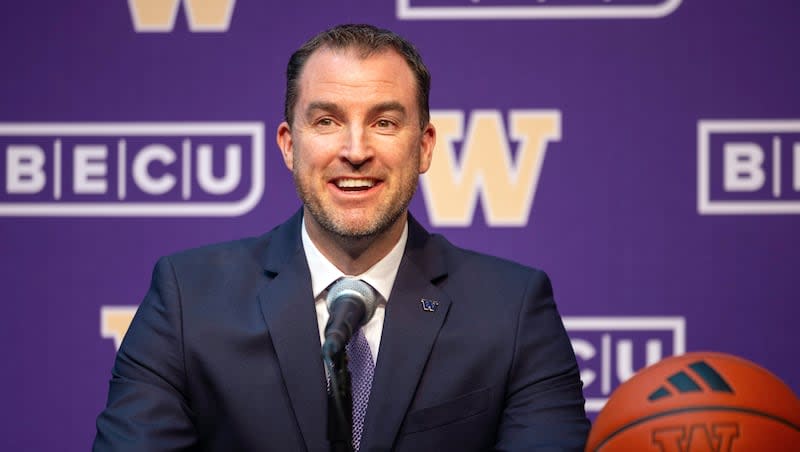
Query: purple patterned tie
[[361, 371]]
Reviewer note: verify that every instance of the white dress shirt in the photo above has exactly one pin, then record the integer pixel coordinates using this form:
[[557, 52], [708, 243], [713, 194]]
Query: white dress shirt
[[380, 276]]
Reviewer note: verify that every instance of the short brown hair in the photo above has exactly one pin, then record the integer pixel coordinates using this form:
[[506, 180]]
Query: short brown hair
[[368, 39]]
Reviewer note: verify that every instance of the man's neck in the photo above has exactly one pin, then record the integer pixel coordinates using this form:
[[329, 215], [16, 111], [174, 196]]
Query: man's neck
[[354, 255]]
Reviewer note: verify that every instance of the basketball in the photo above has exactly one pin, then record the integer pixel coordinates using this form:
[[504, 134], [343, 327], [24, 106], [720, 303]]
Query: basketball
[[700, 401]]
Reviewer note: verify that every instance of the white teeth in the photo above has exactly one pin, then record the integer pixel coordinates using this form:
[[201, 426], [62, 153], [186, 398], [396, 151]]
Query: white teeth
[[355, 183]]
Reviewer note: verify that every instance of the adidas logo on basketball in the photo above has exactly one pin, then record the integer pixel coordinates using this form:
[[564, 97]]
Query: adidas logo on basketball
[[683, 383]]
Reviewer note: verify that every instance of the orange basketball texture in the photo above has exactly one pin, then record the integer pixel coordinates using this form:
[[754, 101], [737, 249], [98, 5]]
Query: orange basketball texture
[[701, 401]]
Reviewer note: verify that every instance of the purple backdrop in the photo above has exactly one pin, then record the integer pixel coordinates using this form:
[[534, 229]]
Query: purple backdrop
[[657, 211]]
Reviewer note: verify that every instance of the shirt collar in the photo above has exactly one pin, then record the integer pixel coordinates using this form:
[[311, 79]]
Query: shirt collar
[[380, 276]]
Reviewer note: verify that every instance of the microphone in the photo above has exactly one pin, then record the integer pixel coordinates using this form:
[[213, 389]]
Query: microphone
[[351, 304]]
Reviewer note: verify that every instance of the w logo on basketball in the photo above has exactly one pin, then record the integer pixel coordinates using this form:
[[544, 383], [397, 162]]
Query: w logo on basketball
[[683, 381], [696, 438]]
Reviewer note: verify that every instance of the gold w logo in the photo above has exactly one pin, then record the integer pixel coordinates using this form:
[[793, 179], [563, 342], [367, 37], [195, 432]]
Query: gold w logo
[[151, 16], [505, 181]]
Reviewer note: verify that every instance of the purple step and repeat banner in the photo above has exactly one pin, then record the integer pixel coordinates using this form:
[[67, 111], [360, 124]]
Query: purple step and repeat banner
[[645, 153]]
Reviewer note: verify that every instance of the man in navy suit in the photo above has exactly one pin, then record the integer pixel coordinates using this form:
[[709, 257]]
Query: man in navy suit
[[469, 351]]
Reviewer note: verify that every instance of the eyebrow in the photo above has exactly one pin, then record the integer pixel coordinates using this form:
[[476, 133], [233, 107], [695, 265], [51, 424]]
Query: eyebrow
[[388, 106], [323, 106], [335, 109]]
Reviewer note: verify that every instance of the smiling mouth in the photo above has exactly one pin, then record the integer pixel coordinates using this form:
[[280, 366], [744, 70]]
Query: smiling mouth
[[355, 184]]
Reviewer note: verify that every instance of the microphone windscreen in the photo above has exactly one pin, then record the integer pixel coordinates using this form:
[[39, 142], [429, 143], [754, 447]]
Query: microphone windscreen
[[353, 288]]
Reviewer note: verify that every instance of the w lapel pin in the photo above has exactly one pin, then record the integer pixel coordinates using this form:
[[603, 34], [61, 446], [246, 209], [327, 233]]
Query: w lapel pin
[[429, 305]]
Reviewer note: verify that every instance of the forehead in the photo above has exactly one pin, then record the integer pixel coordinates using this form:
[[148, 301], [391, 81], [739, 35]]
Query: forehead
[[352, 71]]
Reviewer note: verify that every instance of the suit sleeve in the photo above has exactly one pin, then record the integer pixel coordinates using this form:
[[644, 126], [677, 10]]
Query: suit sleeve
[[147, 405], [544, 409]]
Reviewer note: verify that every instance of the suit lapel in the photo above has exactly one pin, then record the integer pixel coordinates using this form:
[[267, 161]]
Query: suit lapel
[[409, 332], [287, 304]]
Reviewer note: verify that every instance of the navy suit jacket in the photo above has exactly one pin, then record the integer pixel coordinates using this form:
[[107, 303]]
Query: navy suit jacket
[[224, 355]]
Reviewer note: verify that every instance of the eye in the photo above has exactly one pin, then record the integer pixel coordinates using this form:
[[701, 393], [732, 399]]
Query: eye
[[325, 124], [384, 124]]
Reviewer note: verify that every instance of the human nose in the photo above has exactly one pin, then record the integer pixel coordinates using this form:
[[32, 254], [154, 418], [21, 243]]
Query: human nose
[[357, 150]]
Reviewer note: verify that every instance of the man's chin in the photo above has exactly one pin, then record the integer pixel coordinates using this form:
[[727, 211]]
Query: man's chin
[[356, 225], [362, 228], [355, 232]]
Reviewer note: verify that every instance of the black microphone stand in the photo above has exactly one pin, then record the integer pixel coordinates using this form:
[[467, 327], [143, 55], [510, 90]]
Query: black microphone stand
[[340, 402]]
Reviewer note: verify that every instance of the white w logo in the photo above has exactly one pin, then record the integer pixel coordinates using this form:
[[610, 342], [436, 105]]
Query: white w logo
[[159, 15]]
